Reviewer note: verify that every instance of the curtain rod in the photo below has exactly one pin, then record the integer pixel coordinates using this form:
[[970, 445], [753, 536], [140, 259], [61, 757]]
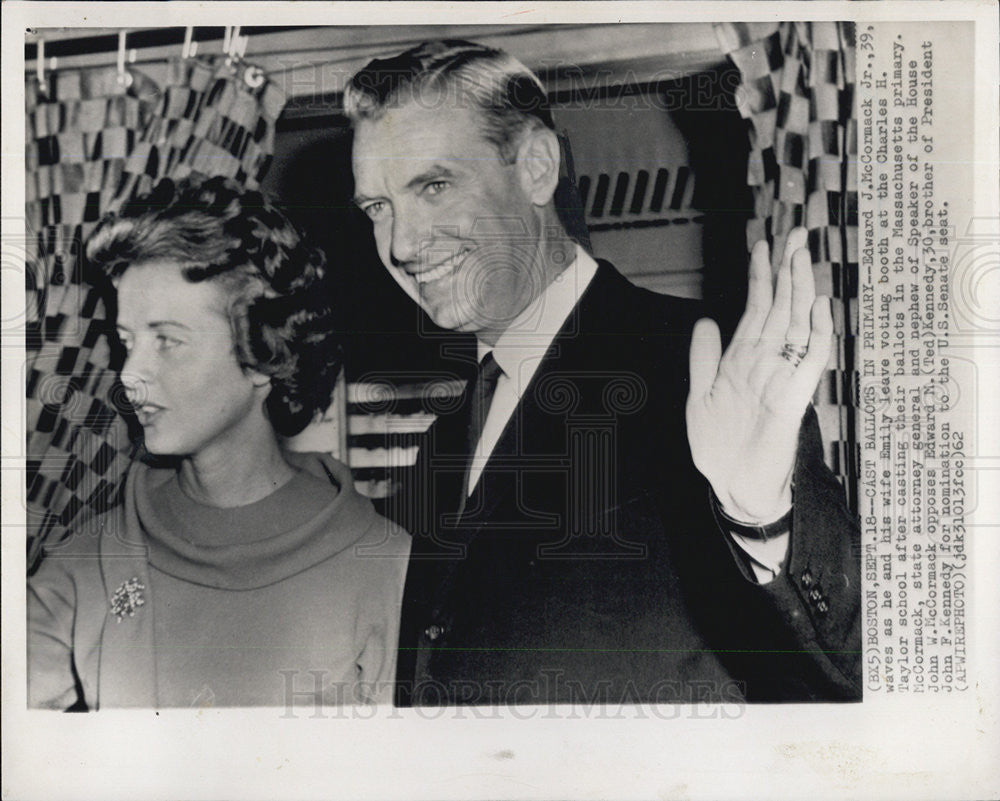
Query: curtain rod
[[140, 39]]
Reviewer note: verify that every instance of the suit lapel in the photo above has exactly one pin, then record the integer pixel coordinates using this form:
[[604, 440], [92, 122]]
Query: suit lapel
[[528, 435]]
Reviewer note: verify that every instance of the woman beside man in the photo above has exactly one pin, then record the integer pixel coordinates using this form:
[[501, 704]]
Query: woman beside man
[[239, 574]]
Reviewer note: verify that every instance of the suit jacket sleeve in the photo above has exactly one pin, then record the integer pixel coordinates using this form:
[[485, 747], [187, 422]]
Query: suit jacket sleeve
[[808, 618], [818, 592]]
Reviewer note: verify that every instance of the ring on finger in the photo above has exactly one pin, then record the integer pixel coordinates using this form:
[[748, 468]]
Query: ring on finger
[[793, 353]]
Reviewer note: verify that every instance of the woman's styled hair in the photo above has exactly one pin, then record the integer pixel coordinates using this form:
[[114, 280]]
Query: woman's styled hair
[[455, 72], [275, 283]]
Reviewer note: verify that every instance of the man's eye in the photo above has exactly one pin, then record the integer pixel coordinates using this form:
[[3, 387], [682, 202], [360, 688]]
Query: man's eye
[[163, 342], [373, 210], [436, 187]]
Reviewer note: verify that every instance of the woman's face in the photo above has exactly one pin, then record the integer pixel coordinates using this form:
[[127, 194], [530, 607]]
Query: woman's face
[[181, 375]]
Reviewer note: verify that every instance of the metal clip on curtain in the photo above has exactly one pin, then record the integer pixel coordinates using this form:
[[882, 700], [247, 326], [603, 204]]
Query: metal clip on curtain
[[254, 77], [235, 47]]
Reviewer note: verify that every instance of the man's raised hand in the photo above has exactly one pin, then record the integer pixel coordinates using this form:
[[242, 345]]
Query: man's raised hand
[[745, 405]]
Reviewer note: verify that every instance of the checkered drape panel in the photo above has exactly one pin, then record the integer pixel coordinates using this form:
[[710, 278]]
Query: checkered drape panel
[[797, 93], [208, 120], [93, 141]]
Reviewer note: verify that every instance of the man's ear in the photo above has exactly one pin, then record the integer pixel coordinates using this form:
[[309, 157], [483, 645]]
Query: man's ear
[[538, 163]]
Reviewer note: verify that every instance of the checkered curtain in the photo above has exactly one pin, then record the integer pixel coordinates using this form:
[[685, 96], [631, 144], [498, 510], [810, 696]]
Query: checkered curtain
[[797, 94], [211, 119], [95, 139]]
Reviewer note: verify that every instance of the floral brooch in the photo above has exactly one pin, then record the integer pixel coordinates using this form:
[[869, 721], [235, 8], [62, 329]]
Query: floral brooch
[[127, 598]]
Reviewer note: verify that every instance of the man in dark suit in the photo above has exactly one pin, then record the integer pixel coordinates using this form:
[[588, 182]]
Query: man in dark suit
[[618, 512]]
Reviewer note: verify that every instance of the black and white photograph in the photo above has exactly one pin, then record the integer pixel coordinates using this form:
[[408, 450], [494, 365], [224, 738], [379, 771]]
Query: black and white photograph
[[486, 376]]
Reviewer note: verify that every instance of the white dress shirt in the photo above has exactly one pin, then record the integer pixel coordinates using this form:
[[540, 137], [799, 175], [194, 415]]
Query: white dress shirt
[[519, 351], [521, 348]]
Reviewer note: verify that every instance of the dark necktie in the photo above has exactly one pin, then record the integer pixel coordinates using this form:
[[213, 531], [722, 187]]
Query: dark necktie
[[479, 406]]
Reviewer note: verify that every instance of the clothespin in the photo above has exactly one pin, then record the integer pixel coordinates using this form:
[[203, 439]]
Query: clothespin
[[235, 47], [40, 64], [253, 76], [124, 76], [231, 43]]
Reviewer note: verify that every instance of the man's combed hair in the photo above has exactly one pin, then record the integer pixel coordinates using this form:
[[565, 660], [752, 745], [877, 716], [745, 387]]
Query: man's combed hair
[[455, 73], [275, 282]]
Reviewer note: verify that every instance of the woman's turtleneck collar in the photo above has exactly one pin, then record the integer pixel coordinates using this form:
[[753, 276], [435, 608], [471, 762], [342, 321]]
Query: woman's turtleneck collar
[[219, 559]]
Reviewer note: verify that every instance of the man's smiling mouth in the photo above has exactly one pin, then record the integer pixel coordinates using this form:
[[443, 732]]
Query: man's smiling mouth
[[442, 270]]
